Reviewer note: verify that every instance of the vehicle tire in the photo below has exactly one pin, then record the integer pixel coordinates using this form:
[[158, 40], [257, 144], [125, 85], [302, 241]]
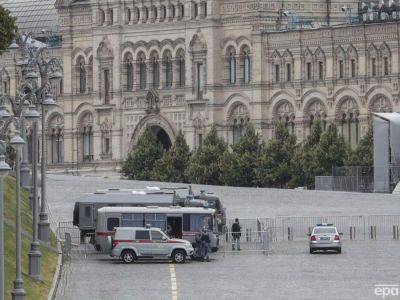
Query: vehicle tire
[[97, 247], [311, 251], [128, 256], [179, 256], [214, 249], [339, 250]]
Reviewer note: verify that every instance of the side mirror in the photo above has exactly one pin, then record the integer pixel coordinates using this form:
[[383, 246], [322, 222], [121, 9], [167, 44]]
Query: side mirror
[[164, 238], [340, 233], [309, 234]]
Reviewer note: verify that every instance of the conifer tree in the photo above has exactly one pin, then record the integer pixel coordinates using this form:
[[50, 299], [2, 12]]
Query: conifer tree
[[141, 161], [173, 164], [205, 164], [7, 28]]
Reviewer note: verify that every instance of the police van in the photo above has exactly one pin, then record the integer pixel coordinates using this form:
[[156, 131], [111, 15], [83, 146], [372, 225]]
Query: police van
[[178, 222], [85, 210]]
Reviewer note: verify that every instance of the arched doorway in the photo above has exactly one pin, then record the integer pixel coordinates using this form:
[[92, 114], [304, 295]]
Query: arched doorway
[[161, 136]]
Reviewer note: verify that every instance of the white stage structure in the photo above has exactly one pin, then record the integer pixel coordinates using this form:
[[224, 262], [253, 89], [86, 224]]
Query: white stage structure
[[386, 128]]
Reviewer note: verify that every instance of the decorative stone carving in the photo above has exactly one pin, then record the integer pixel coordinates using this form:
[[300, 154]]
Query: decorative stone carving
[[284, 110], [380, 104], [105, 49], [316, 109], [152, 101], [348, 108]]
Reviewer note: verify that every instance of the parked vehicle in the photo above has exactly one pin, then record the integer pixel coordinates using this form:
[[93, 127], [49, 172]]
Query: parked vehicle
[[325, 237], [176, 221], [132, 243], [85, 210]]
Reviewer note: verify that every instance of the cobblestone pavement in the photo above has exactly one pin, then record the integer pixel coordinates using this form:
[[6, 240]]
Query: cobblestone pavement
[[290, 272]]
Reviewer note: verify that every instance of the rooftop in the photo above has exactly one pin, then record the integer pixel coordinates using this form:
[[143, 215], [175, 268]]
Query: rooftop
[[33, 15]]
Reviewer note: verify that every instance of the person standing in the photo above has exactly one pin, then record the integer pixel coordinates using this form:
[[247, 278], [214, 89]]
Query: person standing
[[236, 234], [205, 245]]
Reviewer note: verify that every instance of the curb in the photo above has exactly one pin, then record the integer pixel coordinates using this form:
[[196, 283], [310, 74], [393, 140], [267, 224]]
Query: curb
[[57, 274]]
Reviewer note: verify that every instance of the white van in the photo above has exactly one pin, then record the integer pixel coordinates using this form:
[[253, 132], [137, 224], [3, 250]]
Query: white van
[[177, 222]]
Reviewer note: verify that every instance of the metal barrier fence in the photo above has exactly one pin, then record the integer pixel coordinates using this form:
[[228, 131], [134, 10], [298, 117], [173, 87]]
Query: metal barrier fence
[[264, 234], [374, 227], [250, 241], [73, 231]]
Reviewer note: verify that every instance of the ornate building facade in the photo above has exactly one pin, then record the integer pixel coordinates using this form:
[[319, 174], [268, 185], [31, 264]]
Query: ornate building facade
[[184, 65]]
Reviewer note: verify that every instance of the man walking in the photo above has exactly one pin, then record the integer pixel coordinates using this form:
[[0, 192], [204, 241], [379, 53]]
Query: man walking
[[236, 234]]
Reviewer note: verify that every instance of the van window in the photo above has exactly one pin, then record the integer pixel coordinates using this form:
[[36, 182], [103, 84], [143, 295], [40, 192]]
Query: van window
[[132, 220], [186, 222], [198, 221], [156, 220], [156, 235], [112, 223], [87, 211], [142, 235]]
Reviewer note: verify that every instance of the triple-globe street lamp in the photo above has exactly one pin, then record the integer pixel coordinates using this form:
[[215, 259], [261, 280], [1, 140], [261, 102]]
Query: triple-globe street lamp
[[29, 93], [34, 59]]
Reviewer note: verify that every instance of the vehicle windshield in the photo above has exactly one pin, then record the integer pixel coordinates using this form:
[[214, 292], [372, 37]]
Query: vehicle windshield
[[324, 230]]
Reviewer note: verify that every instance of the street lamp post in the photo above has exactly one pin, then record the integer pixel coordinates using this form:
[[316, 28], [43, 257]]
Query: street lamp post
[[34, 58], [4, 168], [18, 293], [34, 253], [44, 225], [25, 171]]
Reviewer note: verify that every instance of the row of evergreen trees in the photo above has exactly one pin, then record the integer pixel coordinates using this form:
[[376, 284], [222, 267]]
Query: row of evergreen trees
[[280, 162]]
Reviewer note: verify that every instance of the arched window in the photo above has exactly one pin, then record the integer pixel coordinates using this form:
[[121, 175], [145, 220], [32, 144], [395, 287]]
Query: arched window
[[128, 62], [142, 70], [56, 139], [239, 116], [86, 140], [195, 10], [352, 61], [245, 57], [173, 12], [284, 113], [137, 14], [385, 59], [81, 70], [90, 75], [203, 6], [155, 69], [181, 11], [56, 142], [340, 58], [107, 86], [181, 68], [163, 13], [106, 140], [146, 14], [155, 12], [167, 59], [111, 16], [316, 111], [347, 115], [128, 16], [232, 68], [102, 17], [373, 61]]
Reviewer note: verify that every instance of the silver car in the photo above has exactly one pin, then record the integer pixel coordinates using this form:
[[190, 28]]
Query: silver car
[[132, 243], [325, 237]]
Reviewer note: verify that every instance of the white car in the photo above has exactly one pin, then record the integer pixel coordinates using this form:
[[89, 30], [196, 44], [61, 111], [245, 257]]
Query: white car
[[132, 243], [325, 237]]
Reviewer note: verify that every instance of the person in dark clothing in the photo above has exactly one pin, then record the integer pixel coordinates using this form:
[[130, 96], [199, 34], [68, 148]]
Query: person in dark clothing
[[236, 234]]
